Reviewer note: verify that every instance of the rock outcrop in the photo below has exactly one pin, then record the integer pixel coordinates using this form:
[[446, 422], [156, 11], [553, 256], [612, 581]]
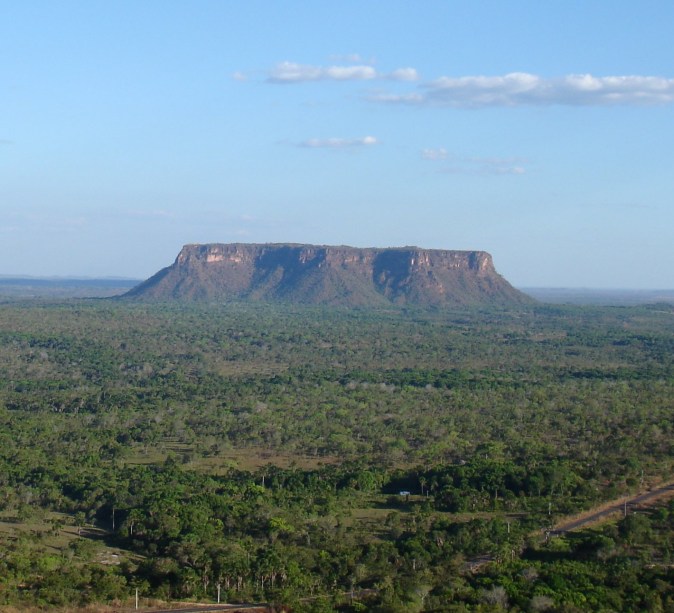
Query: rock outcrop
[[312, 274]]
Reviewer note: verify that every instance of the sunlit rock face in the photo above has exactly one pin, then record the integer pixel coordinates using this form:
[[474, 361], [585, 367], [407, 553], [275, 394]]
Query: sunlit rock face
[[331, 275]]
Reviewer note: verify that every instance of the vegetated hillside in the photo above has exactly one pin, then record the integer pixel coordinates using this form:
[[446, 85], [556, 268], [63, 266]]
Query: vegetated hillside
[[346, 276]]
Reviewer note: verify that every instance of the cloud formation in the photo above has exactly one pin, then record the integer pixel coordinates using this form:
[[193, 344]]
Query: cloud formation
[[524, 89], [487, 166], [291, 72], [434, 154], [339, 143], [456, 165], [404, 74]]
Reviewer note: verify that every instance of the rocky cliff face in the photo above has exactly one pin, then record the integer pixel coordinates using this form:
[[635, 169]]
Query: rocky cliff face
[[340, 275]]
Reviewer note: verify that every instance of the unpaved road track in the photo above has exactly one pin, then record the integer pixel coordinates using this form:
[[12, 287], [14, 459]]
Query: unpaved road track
[[591, 517], [232, 608], [613, 508]]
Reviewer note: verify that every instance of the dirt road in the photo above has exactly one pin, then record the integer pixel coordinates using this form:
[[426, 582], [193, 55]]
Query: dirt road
[[232, 608], [617, 506]]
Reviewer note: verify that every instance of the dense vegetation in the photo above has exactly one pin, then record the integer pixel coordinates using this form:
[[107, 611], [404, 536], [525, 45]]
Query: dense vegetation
[[174, 449]]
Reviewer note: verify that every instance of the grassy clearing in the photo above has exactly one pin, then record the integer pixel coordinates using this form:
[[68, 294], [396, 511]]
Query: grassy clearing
[[254, 458], [247, 459], [55, 533], [51, 530]]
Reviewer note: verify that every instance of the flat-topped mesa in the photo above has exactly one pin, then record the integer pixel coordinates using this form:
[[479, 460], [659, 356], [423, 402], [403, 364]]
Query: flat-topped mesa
[[339, 275]]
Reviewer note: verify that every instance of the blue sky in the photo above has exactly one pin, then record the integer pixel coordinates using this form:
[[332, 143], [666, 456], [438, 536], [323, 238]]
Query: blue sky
[[542, 132]]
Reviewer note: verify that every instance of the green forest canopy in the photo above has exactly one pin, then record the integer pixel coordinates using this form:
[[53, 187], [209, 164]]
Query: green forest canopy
[[264, 448]]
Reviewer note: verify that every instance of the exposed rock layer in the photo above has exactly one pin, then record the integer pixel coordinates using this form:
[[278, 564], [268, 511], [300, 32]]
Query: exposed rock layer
[[313, 274]]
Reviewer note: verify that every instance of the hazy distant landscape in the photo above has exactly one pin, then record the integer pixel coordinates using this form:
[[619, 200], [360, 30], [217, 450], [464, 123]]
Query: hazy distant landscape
[[607, 297], [35, 287], [17, 287]]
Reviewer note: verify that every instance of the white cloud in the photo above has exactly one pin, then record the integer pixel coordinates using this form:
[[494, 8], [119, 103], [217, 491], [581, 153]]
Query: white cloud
[[348, 73], [484, 170], [339, 143], [434, 154], [405, 74], [291, 72], [239, 76], [397, 98], [480, 166], [524, 89]]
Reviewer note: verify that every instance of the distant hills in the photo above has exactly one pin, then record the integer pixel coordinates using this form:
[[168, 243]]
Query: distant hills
[[600, 297], [59, 288], [331, 275], [63, 287]]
